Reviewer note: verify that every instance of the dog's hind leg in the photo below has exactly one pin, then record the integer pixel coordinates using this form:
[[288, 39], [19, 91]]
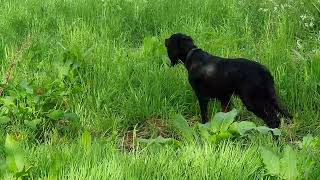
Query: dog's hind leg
[[225, 103], [263, 110]]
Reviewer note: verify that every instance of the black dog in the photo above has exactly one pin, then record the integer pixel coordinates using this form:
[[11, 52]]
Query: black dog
[[215, 77]]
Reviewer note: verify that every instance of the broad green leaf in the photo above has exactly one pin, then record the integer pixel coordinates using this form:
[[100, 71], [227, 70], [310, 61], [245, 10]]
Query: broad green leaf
[[221, 121], [56, 115], [266, 130], [86, 140], [263, 129], [14, 156], [213, 138], [8, 101], [32, 124], [11, 145], [242, 127], [289, 164], [229, 118], [4, 119], [160, 140], [71, 116], [11, 163], [26, 86], [166, 141], [307, 141], [203, 131], [64, 69], [223, 136], [180, 124], [276, 132], [24, 172], [19, 160], [271, 161]]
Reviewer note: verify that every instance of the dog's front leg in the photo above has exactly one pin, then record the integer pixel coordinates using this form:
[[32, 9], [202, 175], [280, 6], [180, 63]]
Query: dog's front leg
[[203, 103]]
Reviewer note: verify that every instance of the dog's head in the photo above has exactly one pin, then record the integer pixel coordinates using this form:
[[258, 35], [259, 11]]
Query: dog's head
[[176, 46]]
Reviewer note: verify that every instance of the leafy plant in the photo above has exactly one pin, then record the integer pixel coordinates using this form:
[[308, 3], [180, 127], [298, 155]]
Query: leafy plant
[[284, 167], [85, 141], [309, 150], [151, 45], [309, 142], [181, 126], [160, 141], [221, 126], [39, 107], [15, 162]]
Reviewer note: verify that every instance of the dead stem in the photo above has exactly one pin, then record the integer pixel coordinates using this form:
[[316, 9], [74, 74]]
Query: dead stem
[[25, 45]]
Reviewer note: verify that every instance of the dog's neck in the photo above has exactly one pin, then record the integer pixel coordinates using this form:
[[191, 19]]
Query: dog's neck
[[185, 51], [187, 54], [190, 53]]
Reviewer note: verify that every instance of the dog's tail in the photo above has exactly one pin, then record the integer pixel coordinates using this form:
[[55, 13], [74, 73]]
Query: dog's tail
[[282, 110], [277, 104]]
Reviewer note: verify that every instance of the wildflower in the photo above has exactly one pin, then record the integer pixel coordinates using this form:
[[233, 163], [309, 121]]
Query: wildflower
[[303, 17], [311, 24], [299, 45], [263, 9]]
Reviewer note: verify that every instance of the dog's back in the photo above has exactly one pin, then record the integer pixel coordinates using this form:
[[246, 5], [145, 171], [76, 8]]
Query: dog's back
[[215, 77], [222, 75]]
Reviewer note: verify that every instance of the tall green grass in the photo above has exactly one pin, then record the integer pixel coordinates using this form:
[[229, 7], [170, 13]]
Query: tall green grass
[[189, 162], [123, 70], [124, 77]]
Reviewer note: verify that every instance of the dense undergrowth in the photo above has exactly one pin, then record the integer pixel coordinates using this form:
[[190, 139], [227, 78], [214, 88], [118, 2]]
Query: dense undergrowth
[[96, 78]]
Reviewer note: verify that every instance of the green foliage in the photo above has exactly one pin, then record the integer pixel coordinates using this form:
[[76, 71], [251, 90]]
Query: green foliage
[[102, 64], [56, 115], [271, 161], [309, 142], [288, 164], [221, 121], [15, 162], [292, 164], [181, 126], [4, 119], [285, 168], [242, 127], [221, 127], [86, 141], [160, 141], [37, 108], [32, 124]]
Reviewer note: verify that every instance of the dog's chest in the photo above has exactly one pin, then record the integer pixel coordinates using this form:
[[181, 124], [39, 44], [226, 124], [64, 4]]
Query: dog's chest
[[203, 75], [208, 72]]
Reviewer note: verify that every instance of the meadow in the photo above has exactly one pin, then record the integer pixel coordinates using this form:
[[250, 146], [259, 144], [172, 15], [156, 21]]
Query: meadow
[[83, 81]]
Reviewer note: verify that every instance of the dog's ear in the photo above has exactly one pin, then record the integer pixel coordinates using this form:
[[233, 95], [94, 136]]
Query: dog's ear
[[186, 38], [183, 42], [166, 42]]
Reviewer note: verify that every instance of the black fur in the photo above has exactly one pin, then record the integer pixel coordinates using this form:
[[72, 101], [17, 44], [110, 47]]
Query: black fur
[[220, 78]]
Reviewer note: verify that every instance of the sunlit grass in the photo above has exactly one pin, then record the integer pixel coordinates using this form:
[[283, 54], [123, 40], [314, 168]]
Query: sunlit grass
[[124, 78]]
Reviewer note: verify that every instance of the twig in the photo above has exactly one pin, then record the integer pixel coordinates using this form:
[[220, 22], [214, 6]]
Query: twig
[[25, 45]]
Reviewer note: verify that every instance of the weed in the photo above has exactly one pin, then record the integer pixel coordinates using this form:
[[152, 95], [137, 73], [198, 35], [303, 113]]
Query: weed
[[97, 71]]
